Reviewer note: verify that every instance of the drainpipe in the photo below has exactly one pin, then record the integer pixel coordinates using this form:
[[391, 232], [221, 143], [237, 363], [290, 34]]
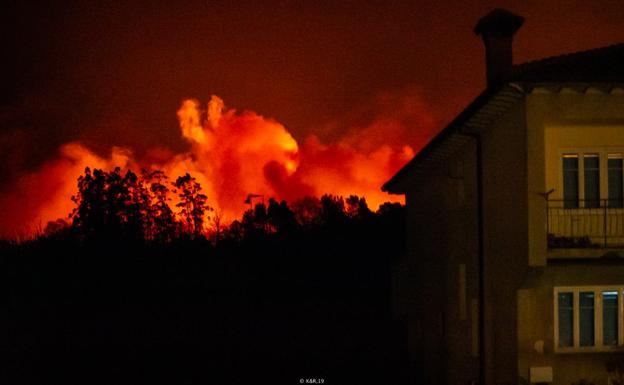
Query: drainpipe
[[480, 253], [497, 29]]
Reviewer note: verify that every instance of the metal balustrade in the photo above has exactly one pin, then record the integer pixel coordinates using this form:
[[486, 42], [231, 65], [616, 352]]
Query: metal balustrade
[[585, 223]]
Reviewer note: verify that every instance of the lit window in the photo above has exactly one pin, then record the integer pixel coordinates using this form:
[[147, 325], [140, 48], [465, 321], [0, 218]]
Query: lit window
[[610, 307], [588, 318]]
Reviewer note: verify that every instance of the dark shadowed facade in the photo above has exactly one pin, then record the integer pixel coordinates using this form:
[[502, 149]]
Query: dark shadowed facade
[[514, 272]]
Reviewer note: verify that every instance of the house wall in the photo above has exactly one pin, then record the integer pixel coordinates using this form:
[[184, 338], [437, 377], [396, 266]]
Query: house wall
[[536, 111], [536, 320], [556, 122], [438, 288], [573, 121], [600, 138], [506, 238], [437, 297], [435, 293]]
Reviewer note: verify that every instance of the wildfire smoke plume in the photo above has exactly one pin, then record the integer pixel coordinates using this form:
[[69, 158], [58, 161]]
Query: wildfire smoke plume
[[233, 154]]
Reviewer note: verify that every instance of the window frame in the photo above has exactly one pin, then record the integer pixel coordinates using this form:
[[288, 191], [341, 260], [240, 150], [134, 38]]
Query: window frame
[[569, 203], [619, 200], [603, 155], [592, 202], [598, 319]]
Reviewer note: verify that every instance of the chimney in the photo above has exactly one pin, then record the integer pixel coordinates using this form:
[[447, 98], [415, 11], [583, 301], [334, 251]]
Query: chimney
[[497, 29]]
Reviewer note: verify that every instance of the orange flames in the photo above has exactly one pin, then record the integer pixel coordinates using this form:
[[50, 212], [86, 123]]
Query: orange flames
[[232, 154]]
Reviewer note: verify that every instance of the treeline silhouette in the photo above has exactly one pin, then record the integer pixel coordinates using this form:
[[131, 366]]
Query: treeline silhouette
[[112, 206], [138, 289]]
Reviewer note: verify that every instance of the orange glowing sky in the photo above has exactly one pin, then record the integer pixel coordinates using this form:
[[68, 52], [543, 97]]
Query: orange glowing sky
[[346, 84], [231, 154]]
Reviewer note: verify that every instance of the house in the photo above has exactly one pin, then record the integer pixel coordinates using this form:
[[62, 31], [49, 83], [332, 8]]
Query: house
[[514, 272]]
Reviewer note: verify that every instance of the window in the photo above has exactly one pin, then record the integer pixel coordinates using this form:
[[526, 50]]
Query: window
[[610, 309], [588, 318], [591, 165], [565, 311], [614, 177], [570, 181], [582, 177]]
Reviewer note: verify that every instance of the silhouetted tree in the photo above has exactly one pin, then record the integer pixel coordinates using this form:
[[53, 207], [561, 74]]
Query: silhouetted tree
[[217, 226], [112, 205], [233, 233], [391, 209], [100, 204], [280, 217], [307, 211], [137, 218], [357, 207], [162, 219], [192, 203], [332, 210], [255, 222], [55, 228]]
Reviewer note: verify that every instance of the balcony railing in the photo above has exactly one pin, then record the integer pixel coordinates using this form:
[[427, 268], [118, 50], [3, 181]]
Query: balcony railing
[[585, 224]]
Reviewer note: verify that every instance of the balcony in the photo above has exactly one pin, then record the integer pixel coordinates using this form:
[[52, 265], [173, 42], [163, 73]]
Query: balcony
[[585, 224]]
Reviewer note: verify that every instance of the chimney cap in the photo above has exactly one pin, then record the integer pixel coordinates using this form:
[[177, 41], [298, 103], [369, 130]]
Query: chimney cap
[[499, 22]]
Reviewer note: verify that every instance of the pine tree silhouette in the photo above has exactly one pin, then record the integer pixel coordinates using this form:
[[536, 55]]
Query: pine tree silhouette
[[193, 206]]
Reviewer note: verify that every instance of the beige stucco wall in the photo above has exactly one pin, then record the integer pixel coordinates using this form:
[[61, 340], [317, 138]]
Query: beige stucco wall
[[536, 313], [518, 168], [559, 121], [567, 120], [580, 138]]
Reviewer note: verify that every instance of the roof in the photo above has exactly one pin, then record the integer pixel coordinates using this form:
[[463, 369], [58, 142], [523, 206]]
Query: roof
[[602, 65]]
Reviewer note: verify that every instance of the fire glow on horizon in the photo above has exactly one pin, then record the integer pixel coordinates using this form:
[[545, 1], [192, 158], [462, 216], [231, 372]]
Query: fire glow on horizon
[[232, 154]]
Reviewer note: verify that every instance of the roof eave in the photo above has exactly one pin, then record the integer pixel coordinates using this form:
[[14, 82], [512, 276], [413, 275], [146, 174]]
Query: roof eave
[[396, 185]]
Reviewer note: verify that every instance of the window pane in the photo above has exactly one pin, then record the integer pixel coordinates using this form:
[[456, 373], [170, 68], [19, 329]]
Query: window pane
[[586, 318], [592, 180], [570, 181], [610, 317], [615, 180], [566, 319]]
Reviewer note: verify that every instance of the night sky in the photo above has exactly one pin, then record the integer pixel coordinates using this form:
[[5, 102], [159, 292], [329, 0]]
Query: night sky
[[116, 73]]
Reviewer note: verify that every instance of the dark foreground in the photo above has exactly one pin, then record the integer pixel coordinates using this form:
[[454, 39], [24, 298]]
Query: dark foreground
[[281, 309]]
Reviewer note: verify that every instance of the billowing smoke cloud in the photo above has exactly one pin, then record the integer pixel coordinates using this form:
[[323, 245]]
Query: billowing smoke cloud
[[230, 153], [233, 154], [45, 195]]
